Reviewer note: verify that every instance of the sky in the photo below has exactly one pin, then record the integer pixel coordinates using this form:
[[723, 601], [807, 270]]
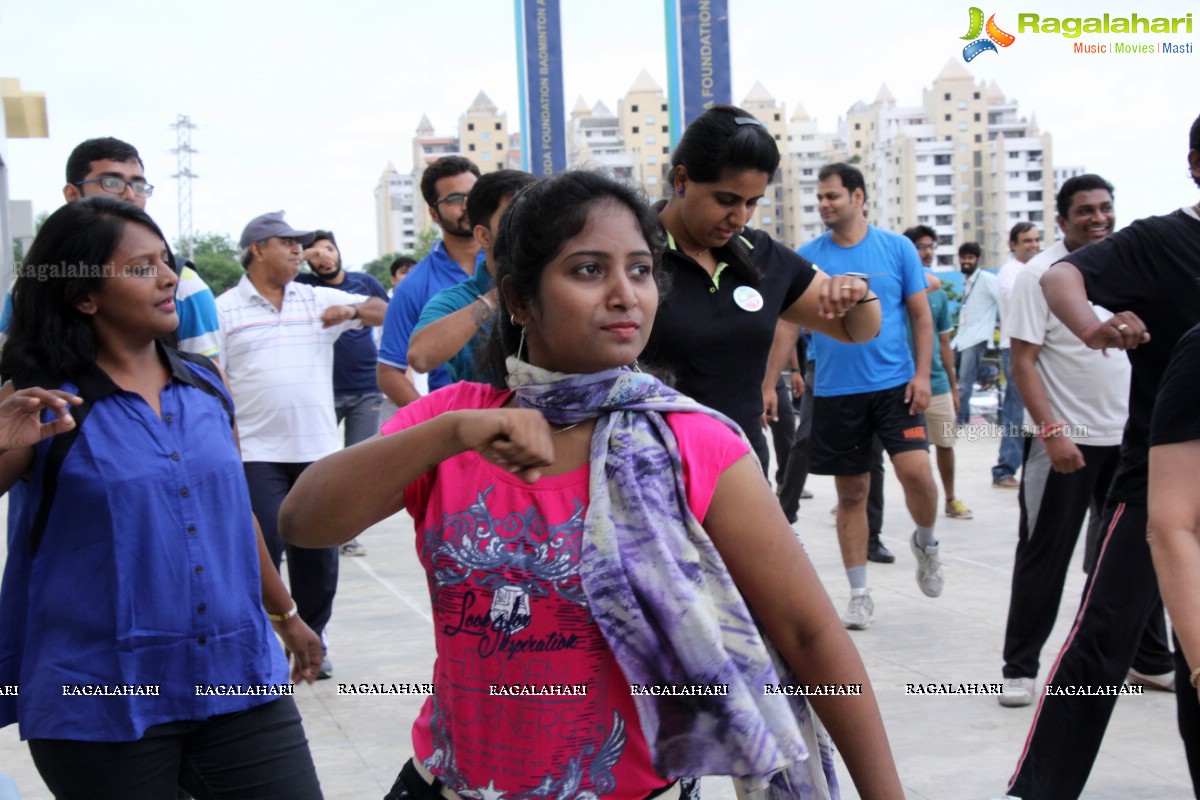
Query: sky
[[300, 105]]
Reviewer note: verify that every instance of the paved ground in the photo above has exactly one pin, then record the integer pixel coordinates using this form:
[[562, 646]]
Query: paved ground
[[947, 748]]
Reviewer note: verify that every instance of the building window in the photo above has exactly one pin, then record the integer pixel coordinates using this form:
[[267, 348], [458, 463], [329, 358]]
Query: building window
[[485, 136], [942, 180], [649, 119], [471, 148], [651, 160], [806, 172], [499, 145], [1035, 216], [966, 226], [809, 209], [947, 96], [977, 95], [470, 126], [941, 161], [487, 156], [666, 151], [766, 220], [652, 181], [962, 106], [946, 239], [664, 106], [962, 126], [978, 139], [636, 129], [650, 138], [497, 126], [977, 117], [858, 126], [857, 144], [666, 129], [947, 118], [1034, 197], [633, 109], [777, 118]]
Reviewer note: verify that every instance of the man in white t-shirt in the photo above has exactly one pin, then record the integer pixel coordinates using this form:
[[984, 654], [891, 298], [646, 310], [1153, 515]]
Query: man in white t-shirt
[[277, 339], [1076, 399], [1025, 242]]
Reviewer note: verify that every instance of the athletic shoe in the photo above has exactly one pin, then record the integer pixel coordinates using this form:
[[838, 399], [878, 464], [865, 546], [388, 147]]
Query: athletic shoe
[[877, 552], [1162, 683], [957, 509], [1017, 692], [326, 670], [861, 613], [353, 548], [1007, 482], [929, 567]]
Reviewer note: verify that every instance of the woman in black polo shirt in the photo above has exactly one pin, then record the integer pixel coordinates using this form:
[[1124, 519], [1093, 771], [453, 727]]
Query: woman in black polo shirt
[[731, 284]]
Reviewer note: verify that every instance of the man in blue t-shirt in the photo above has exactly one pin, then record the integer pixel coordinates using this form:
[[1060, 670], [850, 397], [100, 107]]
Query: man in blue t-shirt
[[356, 396], [445, 186], [873, 389]]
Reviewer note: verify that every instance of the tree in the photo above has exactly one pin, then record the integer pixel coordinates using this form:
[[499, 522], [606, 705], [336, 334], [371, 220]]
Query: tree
[[380, 267], [216, 259]]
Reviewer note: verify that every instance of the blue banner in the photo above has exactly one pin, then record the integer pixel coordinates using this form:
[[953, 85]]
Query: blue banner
[[539, 63], [698, 74]]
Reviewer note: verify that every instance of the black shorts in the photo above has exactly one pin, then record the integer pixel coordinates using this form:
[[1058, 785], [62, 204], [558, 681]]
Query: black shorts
[[843, 427]]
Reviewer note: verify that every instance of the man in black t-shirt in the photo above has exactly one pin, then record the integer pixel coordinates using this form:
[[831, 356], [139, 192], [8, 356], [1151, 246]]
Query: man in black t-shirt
[[1149, 273]]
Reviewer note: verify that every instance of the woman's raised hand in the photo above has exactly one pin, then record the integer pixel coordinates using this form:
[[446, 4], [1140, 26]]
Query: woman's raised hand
[[515, 439], [20, 415]]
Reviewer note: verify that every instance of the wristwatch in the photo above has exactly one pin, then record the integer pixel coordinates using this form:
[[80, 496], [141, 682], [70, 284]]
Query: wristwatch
[[862, 276]]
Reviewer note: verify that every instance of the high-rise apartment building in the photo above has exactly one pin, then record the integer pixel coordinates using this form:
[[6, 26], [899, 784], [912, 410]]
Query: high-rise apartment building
[[962, 161], [396, 224]]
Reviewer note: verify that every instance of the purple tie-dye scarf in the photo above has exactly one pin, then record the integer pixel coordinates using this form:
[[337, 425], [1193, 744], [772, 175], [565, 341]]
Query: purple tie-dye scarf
[[665, 602]]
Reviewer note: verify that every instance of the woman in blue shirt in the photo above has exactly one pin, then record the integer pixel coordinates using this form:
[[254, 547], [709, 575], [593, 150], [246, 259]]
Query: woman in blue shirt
[[137, 603]]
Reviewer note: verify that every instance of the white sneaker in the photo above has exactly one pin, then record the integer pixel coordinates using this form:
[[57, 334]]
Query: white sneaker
[[861, 613], [1017, 692], [929, 567], [1162, 683]]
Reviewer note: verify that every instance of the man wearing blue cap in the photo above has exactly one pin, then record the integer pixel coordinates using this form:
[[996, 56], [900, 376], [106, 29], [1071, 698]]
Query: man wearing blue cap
[[277, 339]]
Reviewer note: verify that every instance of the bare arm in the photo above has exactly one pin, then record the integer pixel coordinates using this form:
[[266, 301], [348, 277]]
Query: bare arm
[[395, 385], [1066, 295], [773, 572], [786, 334], [298, 639], [371, 311], [920, 318], [439, 341], [1065, 456], [948, 364], [376, 472], [826, 308], [1173, 529]]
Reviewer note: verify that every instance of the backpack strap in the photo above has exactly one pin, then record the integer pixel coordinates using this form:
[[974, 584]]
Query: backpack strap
[[92, 386], [187, 376]]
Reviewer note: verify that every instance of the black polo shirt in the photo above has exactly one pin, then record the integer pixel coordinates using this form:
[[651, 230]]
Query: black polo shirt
[[1150, 268], [713, 333]]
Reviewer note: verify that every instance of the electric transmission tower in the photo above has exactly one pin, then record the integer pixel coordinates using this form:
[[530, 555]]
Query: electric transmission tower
[[183, 176]]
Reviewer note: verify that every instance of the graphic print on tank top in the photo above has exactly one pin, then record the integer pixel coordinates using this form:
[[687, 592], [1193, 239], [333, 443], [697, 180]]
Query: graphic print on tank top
[[530, 703]]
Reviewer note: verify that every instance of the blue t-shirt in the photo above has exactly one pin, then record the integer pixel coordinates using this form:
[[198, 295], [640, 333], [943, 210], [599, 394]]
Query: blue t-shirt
[[894, 267], [461, 365], [147, 573], [354, 353], [433, 273], [939, 306]]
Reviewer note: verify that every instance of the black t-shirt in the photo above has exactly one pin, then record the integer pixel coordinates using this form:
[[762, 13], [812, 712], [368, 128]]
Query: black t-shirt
[[1177, 413], [707, 334], [1151, 268]]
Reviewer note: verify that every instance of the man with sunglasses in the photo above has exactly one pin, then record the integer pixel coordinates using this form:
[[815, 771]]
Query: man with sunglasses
[[112, 167], [445, 185]]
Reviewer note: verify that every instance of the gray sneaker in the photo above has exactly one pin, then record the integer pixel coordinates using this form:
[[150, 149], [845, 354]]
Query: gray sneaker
[[929, 568], [861, 613], [1017, 692]]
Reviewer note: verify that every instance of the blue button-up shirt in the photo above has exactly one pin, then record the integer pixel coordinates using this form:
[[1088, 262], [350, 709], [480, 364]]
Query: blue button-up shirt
[[147, 574]]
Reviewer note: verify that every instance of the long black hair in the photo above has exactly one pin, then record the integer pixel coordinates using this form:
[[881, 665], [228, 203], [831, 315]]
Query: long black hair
[[48, 336], [542, 218]]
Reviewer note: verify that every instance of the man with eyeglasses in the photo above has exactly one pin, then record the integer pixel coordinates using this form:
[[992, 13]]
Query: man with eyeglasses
[[445, 185], [113, 167], [278, 339]]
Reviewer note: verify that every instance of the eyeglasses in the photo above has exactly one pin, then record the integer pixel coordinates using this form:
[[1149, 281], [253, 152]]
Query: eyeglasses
[[456, 199], [116, 185], [929, 246]]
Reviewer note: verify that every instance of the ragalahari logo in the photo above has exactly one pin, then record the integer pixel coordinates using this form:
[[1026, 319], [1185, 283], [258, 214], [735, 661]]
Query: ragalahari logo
[[995, 36]]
